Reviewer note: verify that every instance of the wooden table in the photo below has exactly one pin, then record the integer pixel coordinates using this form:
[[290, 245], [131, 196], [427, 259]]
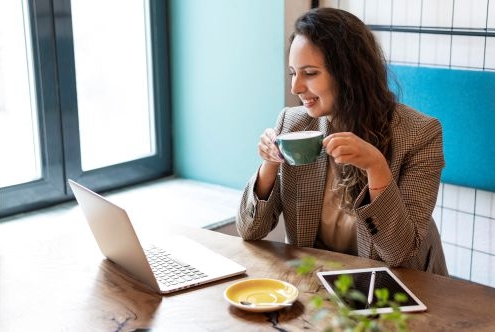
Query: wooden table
[[53, 278]]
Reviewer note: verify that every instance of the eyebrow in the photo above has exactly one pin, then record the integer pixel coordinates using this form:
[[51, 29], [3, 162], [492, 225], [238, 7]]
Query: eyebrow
[[305, 67]]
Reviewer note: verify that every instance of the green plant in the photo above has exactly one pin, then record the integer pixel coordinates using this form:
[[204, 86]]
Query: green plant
[[341, 318]]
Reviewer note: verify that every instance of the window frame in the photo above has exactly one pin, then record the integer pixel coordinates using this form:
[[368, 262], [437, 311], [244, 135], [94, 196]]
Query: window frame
[[56, 96]]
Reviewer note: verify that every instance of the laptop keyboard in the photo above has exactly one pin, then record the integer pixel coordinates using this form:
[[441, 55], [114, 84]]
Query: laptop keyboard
[[170, 271]]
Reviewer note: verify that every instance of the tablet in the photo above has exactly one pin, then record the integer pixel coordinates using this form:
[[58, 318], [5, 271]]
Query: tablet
[[370, 278]]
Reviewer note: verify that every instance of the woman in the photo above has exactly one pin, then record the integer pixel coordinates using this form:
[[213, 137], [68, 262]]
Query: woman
[[373, 191]]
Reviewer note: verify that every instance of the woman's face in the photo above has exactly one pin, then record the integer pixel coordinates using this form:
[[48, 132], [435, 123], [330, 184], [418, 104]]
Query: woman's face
[[311, 80]]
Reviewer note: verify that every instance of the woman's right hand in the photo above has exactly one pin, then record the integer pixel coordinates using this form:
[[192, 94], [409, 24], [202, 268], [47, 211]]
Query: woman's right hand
[[268, 149]]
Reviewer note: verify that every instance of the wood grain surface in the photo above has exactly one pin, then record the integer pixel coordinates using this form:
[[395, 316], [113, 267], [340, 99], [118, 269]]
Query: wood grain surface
[[53, 278]]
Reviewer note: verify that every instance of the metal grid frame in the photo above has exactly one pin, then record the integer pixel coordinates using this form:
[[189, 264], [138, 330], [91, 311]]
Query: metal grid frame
[[457, 44]]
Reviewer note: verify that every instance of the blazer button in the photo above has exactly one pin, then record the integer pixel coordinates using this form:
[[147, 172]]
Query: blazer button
[[251, 211], [371, 225]]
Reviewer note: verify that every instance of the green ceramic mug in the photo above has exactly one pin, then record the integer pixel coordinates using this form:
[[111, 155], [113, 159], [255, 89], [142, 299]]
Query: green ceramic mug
[[300, 147]]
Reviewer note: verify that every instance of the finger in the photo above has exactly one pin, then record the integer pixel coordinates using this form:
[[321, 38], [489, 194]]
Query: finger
[[267, 143], [325, 141], [269, 152], [271, 133], [264, 149], [339, 137], [342, 134], [334, 143]]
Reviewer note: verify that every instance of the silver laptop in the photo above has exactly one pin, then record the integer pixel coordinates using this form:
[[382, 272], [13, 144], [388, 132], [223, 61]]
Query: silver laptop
[[177, 264]]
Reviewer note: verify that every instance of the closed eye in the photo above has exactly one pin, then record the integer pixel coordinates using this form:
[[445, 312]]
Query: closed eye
[[291, 74]]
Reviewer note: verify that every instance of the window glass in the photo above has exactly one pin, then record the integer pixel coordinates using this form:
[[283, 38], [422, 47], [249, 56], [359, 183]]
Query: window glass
[[19, 134], [113, 79]]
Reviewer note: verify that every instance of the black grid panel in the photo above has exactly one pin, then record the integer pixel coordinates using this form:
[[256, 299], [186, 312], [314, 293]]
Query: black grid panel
[[445, 33]]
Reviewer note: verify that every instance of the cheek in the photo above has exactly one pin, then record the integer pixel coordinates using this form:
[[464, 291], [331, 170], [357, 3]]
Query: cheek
[[328, 100]]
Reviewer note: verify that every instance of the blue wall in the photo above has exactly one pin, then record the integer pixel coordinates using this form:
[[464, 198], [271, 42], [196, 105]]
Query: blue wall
[[227, 85], [464, 102]]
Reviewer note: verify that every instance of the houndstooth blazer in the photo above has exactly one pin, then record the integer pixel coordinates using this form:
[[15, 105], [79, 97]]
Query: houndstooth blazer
[[396, 228]]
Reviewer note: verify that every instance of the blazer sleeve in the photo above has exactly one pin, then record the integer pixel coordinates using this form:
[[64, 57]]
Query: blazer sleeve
[[394, 227], [256, 218]]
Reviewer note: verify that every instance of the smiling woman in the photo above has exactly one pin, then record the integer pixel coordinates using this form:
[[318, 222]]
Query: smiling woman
[[379, 157]]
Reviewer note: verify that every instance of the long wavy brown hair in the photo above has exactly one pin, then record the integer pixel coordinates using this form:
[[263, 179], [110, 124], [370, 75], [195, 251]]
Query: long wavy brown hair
[[364, 104]]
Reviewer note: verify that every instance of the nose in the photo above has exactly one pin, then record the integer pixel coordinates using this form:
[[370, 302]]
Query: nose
[[297, 85]]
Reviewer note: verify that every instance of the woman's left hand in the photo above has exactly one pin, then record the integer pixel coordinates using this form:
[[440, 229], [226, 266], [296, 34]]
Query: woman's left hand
[[347, 148]]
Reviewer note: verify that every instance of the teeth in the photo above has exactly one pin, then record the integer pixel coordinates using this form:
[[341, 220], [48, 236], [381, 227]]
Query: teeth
[[307, 101]]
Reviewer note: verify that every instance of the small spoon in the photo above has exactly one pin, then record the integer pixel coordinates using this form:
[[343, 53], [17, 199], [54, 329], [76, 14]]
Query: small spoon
[[265, 304]]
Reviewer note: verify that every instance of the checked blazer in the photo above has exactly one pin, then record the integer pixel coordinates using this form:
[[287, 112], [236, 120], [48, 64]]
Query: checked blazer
[[396, 228]]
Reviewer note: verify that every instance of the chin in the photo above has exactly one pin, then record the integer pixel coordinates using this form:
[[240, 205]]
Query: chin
[[315, 112]]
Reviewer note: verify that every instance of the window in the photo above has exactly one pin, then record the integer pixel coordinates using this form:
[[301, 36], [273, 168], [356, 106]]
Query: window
[[84, 94]]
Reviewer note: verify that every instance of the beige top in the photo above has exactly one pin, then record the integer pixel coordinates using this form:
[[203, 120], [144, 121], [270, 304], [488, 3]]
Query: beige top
[[337, 231]]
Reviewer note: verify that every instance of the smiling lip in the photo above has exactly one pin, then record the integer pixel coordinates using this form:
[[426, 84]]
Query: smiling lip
[[308, 103]]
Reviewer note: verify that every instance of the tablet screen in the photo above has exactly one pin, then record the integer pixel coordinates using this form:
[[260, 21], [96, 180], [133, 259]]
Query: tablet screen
[[362, 282]]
